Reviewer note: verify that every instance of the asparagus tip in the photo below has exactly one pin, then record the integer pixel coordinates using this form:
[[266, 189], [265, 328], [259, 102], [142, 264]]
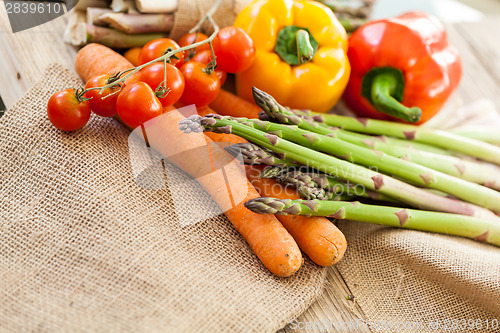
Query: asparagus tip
[[191, 124]]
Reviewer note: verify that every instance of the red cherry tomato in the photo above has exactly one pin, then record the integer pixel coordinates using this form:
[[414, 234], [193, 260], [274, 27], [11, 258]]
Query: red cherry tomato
[[234, 49], [154, 74], [103, 104], [157, 47], [205, 57], [67, 112], [137, 104], [192, 38], [201, 87]]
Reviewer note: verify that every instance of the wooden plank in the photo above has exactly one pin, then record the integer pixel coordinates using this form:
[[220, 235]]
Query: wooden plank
[[480, 59], [331, 312], [26, 54]]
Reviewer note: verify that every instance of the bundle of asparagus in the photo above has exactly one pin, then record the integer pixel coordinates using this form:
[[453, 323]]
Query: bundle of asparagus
[[119, 23], [427, 179]]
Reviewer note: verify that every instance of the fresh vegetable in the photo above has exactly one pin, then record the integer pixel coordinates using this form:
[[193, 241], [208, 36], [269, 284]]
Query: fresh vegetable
[[326, 187], [234, 49], [68, 110], [155, 6], [158, 47], [356, 174], [402, 68], [201, 85], [253, 154], [102, 104], [290, 173], [449, 224], [137, 103], [139, 23], [205, 57], [401, 168], [269, 240], [443, 139], [320, 239], [228, 104], [313, 74], [132, 55], [94, 15], [111, 37], [191, 38], [96, 59], [169, 91], [216, 137], [195, 154]]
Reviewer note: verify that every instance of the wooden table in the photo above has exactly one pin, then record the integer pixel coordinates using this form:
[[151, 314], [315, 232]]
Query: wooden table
[[25, 55]]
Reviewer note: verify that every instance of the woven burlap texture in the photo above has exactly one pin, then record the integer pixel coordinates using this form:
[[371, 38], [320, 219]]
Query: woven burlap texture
[[421, 282], [188, 14], [84, 249]]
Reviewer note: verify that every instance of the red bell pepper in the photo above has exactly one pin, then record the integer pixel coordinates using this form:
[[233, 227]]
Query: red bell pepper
[[402, 68]]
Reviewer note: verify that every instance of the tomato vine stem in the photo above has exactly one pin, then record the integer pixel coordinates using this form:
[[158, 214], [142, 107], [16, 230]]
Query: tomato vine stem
[[166, 56]]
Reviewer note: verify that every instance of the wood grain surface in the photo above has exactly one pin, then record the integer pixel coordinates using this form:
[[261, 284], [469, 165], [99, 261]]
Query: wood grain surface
[[24, 56]]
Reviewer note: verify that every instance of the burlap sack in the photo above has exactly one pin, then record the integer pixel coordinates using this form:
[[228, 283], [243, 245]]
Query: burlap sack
[[421, 282], [189, 12], [83, 248]]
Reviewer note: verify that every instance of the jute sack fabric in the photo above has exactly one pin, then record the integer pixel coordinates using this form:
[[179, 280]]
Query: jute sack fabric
[[189, 12], [421, 282], [83, 248]]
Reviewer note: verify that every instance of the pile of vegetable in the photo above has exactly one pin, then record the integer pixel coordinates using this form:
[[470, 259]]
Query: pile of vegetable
[[119, 23], [303, 168]]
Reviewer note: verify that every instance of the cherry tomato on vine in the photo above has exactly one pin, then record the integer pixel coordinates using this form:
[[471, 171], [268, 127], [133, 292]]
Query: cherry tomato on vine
[[205, 57], [201, 87], [157, 47], [137, 104], [234, 49], [103, 104], [154, 74], [192, 38], [67, 111]]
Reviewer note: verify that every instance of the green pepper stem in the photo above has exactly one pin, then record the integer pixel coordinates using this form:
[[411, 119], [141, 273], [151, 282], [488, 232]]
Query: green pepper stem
[[383, 87], [305, 50]]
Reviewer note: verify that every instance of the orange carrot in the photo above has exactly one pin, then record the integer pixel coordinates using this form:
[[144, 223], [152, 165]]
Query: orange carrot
[[228, 104], [319, 238], [267, 237], [96, 59], [132, 55]]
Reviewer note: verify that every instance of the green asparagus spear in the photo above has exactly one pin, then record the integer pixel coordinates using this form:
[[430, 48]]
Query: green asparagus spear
[[412, 172], [474, 171], [253, 154], [324, 187], [444, 223], [443, 139], [272, 110], [336, 167]]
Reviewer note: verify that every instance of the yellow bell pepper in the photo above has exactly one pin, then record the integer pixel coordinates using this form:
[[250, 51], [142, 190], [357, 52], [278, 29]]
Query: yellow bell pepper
[[300, 53]]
